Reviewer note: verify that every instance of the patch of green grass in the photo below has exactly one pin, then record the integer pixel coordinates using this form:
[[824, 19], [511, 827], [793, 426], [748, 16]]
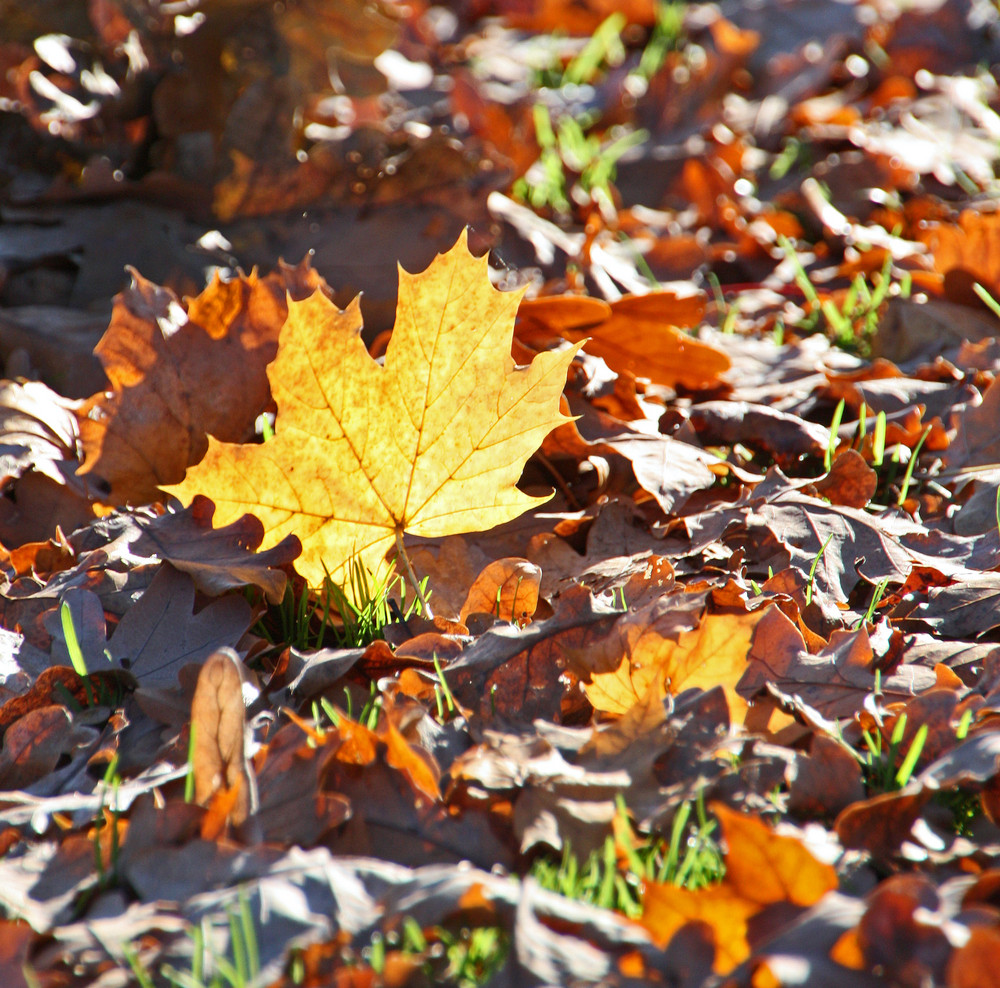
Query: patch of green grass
[[667, 36], [325, 713], [691, 859], [853, 322], [577, 156], [351, 616], [966, 808], [879, 761], [573, 163], [611, 878], [237, 968], [466, 957]]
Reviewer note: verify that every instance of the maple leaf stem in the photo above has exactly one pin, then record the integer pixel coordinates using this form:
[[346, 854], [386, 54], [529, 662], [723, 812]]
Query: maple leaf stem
[[404, 559]]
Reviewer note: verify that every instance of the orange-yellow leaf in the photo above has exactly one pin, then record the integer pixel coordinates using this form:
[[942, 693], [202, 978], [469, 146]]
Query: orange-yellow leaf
[[431, 443], [766, 867], [713, 653], [762, 868], [666, 908]]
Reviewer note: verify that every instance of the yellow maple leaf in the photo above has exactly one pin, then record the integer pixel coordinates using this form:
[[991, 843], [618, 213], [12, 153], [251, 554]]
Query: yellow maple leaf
[[431, 443]]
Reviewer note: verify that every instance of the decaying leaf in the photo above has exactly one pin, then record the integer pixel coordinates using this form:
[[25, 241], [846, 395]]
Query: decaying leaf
[[33, 745], [432, 443], [218, 559], [833, 681]]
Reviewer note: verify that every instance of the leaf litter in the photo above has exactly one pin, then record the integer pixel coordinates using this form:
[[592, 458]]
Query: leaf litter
[[633, 626]]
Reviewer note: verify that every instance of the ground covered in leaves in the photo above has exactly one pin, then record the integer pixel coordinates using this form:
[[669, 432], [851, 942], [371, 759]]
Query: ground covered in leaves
[[307, 677]]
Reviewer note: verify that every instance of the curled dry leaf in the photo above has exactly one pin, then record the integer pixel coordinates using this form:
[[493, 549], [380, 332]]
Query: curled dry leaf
[[218, 559], [33, 745], [39, 450], [218, 755], [825, 781], [641, 335], [850, 481], [431, 443], [835, 681], [786, 437]]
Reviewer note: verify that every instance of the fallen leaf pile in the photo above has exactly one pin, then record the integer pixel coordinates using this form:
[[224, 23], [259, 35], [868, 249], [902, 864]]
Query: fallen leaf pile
[[621, 611]]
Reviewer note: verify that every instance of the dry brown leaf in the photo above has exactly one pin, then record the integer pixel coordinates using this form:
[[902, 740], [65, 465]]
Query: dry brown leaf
[[976, 439], [834, 681], [217, 721], [179, 373], [218, 559], [432, 443], [33, 745], [786, 437], [826, 780], [880, 824], [850, 481]]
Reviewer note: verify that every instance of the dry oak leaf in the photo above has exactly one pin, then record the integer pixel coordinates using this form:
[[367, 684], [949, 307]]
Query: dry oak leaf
[[180, 371], [431, 443]]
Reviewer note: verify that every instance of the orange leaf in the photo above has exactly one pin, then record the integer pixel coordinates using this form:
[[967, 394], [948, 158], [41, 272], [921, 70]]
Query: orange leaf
[[400, 755], [507, 588], [431, 443], [766, 867], [762, 868], [666, 908], [641, 335]]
